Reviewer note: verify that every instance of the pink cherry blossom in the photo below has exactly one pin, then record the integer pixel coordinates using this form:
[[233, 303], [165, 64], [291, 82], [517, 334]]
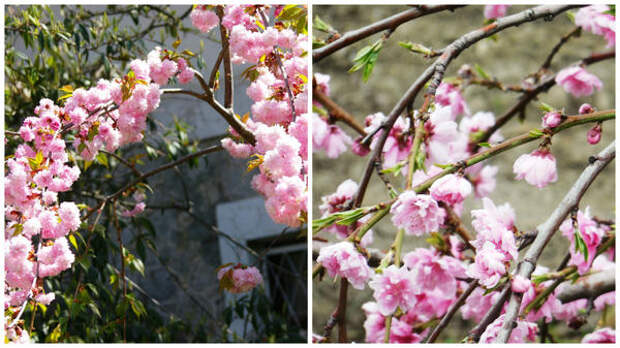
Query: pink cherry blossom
[[595, 20], [489, 265], [484, 180], [523, 331], [478, 304], [604, 335], [451, 189], [342, 259], [591, 234], [495, 11], [243, 278], [450, 95], [416, 213], [203, 19], [394, 288], [495, 224], [577, 81], [329, 138], [338, 201], [537, 168]]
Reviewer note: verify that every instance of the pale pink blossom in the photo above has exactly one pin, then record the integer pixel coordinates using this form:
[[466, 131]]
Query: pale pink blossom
[[577, 81], [495, 224], [604, 335], [243, 278], [478, 304], [203, 19], [590, 232], [522, 332], [450, 95], [45, 299], [594, 19], [520, 284], [489, 265], [342, 259], [484, 181], [287, 201], [451, 189], [329, 137], [537, 168], [394, 288], [495, 11], [338, 201], [416, 213]]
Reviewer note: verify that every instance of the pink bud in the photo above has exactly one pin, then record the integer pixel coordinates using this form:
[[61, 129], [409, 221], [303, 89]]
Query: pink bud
[[520, 284], [359, 149], [586, 109], [552, 119], [594, 134]]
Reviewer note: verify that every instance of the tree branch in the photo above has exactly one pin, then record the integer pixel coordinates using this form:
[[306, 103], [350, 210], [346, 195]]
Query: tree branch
[[335, 110], [548, 228], [589, 287], [390, 23]]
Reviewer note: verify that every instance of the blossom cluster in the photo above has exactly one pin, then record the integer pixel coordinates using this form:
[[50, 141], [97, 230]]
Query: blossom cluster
[[238, 278], [423, 287], [279, 119]]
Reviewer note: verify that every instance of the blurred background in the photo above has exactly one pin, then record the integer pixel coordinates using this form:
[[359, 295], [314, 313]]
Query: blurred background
[[199, 215], [509, 56]]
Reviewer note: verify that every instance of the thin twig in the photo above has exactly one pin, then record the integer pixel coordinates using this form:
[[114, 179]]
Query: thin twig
[[335, 110], [445, 320]]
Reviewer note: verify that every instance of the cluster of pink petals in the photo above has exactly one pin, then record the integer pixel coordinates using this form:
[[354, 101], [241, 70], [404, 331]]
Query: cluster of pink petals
[[336, 202], [594, 134], [401, 331], [203, 19], [281, 148], [444, 142], [417, 214], [342, 259], [394, 288], [591, 233], [495, 242], [328, 137], [480, 122], [603, 335], [537, 168], [451, 189], [577, 81], [243, 278], [397, 146], [478, 304], [450, 95], [495, 11], [594, 19], [522, 332]]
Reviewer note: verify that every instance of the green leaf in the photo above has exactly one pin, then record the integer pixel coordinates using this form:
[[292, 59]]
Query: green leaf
[[536, 133], [484, 144], [84, 32], [481, 72], [321, 25], [102, 159], [416, 48], [546, 107], [73, 241]]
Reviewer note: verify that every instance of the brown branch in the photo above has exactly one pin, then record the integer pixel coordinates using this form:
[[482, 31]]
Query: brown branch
[[228, 73], [548, 228], [589, 287], [457, 225], [445, 320], [573, 33], [122, 254], [390, 23], [214, 71], [335, 111]]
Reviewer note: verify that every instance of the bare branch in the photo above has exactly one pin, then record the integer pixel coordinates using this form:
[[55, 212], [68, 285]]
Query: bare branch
[[589, 287]]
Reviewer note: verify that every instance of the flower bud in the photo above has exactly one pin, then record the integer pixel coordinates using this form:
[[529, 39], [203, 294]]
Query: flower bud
[[586, 109], [552, 119], [594, 134]]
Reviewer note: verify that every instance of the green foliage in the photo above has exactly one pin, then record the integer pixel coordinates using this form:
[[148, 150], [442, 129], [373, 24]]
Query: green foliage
[[366, 59]]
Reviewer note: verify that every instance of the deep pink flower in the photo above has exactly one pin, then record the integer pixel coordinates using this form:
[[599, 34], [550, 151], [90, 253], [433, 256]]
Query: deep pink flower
[[552, 119], [342, 259], [537, 168], [417, 214], [394, 288], [495, 11], [577, 81], [594, 134], [451, 189], [604, 335], [585, 109]]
